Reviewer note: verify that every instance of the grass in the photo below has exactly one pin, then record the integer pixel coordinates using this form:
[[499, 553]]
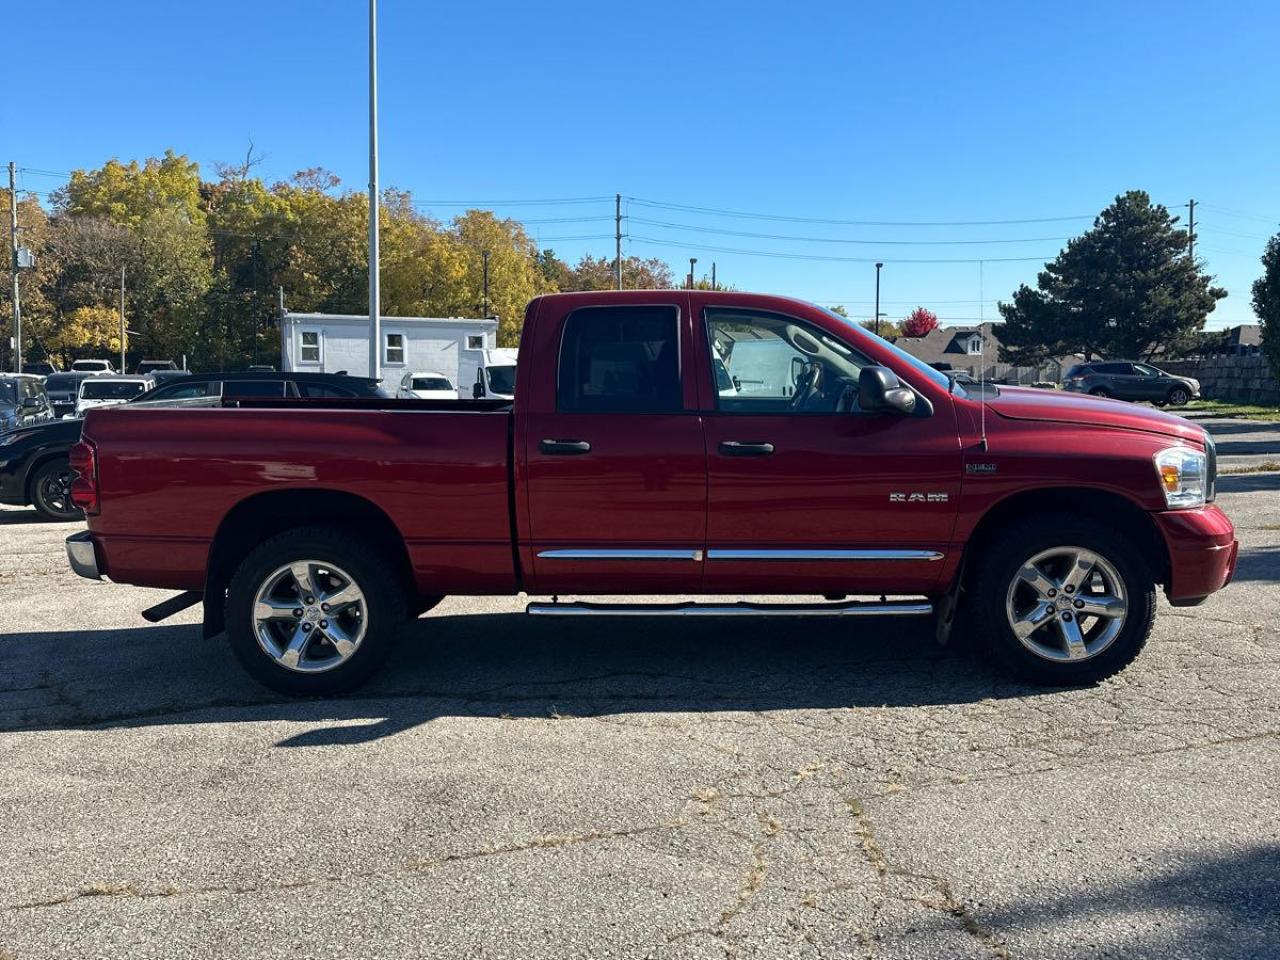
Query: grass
[[1224, 408]]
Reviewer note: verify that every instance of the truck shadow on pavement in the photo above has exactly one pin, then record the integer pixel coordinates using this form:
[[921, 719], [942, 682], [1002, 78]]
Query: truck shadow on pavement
[[496, 665]]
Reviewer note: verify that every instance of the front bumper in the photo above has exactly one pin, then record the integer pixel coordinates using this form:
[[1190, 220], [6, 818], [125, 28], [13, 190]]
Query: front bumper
[[83, 555], [1202, 549]]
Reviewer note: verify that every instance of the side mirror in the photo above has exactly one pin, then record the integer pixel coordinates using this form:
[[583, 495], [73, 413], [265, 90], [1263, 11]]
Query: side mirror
[[880, 389], [477, 391]]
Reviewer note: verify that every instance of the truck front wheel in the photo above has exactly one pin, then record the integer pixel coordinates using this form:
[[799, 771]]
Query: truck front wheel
[[314, 611], [1063, 600]]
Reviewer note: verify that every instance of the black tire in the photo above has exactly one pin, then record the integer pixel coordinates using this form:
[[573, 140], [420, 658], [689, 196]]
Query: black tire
[[384, 608], [1100, 392], [1178, 396], [998, 566], [51, 492]]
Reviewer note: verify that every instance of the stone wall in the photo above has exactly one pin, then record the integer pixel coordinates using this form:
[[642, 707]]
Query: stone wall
[[1240, 379]]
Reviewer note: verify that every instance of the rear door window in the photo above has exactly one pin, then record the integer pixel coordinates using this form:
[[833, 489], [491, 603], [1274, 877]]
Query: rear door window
[[620, 360], [243, 389]]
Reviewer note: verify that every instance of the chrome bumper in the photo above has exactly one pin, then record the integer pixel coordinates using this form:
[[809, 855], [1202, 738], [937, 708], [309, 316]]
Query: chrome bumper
[[82, 556]]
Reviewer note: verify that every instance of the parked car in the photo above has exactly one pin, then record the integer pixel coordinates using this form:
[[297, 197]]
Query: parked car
[[41, 368], [93, 366], [311, 532], [34, 466], [427, 386], [210, 389], [63, 389], [109, 390], [152, 366], [23, 401], [1131, 380]]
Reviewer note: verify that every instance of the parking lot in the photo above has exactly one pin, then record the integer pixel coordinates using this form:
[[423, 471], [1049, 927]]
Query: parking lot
[[527, 788]]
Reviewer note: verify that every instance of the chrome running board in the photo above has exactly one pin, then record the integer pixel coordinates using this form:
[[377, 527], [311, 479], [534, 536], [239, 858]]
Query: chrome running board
[[848, 608]]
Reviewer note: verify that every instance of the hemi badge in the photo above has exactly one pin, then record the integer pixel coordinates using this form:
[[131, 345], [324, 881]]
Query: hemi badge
[[979, 468]]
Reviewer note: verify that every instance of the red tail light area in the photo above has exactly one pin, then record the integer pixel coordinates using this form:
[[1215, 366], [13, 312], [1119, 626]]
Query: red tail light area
[[83, 458]]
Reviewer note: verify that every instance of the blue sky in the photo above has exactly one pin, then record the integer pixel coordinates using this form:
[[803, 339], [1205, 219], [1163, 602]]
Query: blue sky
[[901, 112]]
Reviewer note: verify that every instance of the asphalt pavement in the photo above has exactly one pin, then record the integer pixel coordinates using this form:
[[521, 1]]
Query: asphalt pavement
[[523, 788]]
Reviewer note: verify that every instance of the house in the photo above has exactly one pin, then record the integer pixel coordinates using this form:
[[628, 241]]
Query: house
[[339, 343], [975, 350]]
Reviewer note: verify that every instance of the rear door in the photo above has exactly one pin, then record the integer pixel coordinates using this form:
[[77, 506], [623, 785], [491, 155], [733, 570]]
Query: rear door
[[614, 465]]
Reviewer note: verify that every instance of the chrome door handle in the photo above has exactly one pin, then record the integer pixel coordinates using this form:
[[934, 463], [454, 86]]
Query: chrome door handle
[[736, 448], [564, 448]]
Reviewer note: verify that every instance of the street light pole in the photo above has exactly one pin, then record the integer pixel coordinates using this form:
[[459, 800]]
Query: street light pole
[[375, 300], [692, 261], [878, 266]]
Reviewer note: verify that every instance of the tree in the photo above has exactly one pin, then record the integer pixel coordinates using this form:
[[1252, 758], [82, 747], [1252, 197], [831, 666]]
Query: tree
[[888, 328], [87, 331], [1124, 288], [596, 273], [1266, 302], [919, 322]]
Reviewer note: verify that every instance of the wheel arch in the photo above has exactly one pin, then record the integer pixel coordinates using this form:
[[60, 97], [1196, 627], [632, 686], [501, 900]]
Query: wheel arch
[[264, 515], [1118, 510], [34, 466]]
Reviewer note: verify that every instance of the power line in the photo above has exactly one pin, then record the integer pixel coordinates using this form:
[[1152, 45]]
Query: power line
[[828, 258], [777, 236], [715, 211], [509, 203]]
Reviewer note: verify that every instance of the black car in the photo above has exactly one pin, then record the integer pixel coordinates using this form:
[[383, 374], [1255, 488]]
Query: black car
[[1130, 380], [210, 389], [23, 401], [33, 460], [63, 388], [41, 368]]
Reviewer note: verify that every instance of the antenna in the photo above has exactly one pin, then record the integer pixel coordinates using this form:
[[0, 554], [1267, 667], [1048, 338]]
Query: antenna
[[982, 361]]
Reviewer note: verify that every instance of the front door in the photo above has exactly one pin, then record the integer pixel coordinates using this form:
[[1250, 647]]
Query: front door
[[805, 492], [616, 469]]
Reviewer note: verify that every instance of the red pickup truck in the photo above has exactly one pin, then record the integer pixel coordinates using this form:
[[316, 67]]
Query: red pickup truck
[[664, 443]]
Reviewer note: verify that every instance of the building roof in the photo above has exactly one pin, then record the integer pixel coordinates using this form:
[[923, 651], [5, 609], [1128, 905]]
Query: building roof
[[363, 318], [951, 345]]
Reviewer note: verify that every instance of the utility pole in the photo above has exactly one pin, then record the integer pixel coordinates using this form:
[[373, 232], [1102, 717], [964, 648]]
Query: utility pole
[[713, 276], [1191, 229], [617, 238], [122, 361], [13, 268], [375, 300], [878, 266], [486, 284]]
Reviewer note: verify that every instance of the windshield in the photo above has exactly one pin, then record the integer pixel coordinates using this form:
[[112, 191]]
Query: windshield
[[62, 381], [111, 389], [431, 383], [937, 376], [502, 379]]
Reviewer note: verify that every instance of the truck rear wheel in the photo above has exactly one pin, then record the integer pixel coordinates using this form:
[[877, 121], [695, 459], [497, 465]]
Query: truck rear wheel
[[314, 611], [1063, 600]]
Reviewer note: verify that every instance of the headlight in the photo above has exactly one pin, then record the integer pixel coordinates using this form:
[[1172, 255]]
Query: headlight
[[1183, 476]]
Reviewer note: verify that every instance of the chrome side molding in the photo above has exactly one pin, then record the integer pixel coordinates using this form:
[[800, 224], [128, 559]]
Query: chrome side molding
[[719, 553], [849, 608], [642, 554], [728, 554]]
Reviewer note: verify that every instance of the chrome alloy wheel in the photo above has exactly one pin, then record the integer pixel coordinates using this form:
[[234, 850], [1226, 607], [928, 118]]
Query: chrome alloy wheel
[[309, 616], [1067, 604]]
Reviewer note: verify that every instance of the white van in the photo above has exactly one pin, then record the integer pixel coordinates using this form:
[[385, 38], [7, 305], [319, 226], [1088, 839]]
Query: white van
[[496, 375]]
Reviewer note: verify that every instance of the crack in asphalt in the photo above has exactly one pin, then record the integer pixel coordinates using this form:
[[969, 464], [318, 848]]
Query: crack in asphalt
[[416, 866]]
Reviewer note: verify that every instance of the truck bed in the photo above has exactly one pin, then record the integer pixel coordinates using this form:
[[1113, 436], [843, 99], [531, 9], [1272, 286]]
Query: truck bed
[[438, 471]]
